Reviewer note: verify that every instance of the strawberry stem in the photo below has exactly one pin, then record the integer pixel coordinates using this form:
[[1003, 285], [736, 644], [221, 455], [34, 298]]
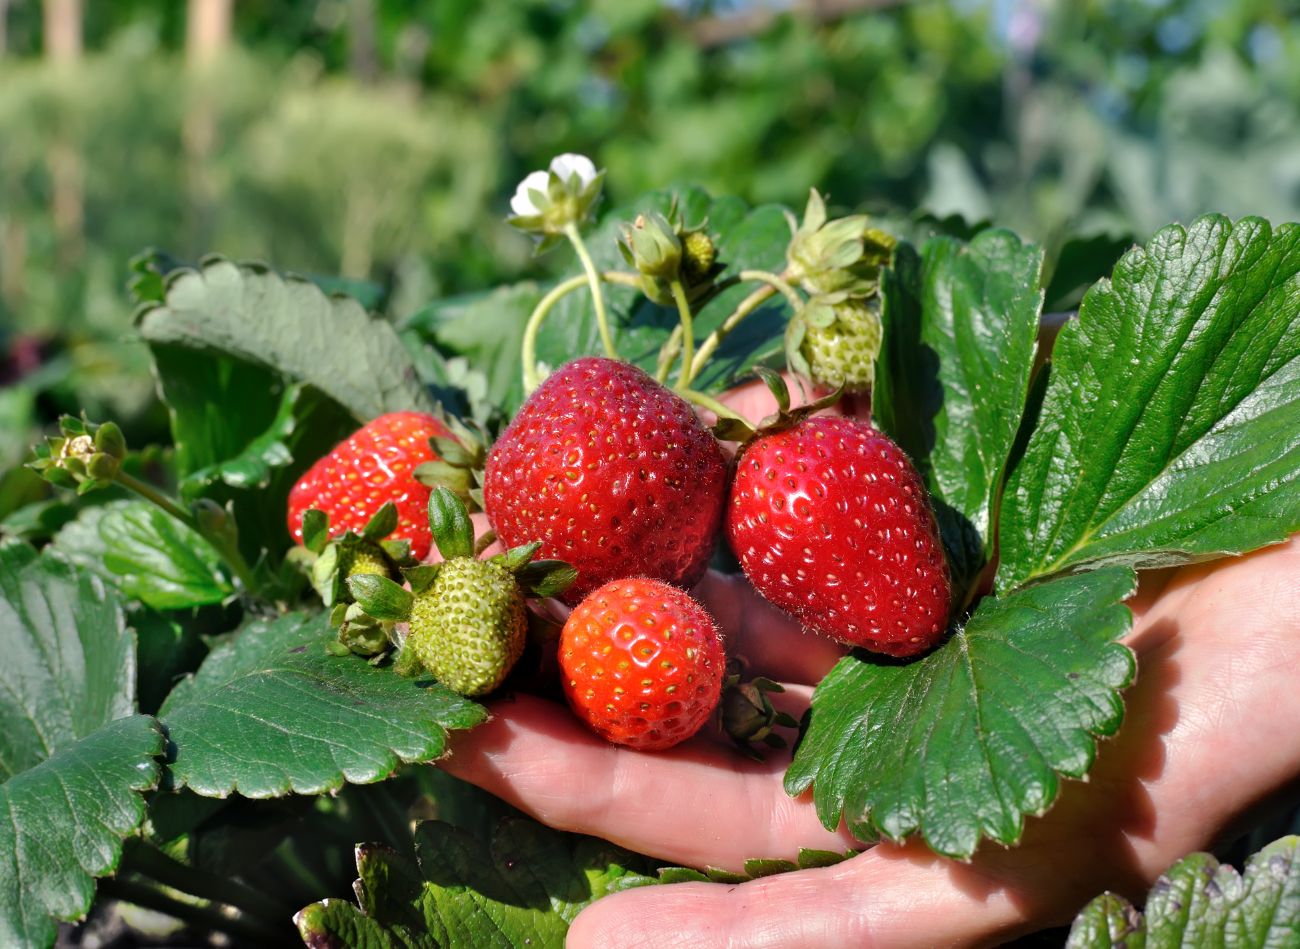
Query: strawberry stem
[[688, 333], [597, 295], [773, 284], [708, 402], [229, 552], [532, 378]]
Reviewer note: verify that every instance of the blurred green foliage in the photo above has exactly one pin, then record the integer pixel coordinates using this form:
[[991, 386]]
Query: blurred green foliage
[[380, 139]]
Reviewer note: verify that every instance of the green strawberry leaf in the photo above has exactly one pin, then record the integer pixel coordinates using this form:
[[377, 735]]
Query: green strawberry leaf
[[1198, 902], [244, 436], [485, 328], [271, 712], [253, 465], [147, 554], [1170, 431], [69, 658], [964, 743], [960, 327], [524, 887], [65, 820], [73, 754], [289, 325]]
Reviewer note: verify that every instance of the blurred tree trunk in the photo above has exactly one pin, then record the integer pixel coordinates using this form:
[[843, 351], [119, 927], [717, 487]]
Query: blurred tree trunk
[[62, 29], [207, 37], [363, 49]]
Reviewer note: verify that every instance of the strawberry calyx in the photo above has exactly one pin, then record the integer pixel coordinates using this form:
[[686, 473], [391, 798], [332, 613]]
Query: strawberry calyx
[[741, 431], [747, 713], [369, 624], [330, 561], [459, 466]]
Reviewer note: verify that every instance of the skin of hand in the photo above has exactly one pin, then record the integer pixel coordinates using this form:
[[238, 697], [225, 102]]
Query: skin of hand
[[1211, 733]]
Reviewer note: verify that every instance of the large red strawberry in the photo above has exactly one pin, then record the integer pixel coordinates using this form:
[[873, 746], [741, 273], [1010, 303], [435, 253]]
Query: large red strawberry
[[642, 663], [832, 523], [612, 473], [374, 464]]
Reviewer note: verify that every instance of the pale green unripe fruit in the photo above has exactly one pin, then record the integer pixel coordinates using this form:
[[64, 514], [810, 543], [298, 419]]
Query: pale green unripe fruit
[[468, 627], [844, 353]]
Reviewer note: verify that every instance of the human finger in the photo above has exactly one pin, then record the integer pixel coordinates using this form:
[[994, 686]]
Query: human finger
[[699, 804], [770, 641]]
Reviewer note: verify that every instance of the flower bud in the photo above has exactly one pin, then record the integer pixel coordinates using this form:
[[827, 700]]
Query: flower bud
[[650, 244]]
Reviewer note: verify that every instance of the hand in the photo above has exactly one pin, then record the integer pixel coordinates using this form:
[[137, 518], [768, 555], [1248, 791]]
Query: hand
[[1210, 733]]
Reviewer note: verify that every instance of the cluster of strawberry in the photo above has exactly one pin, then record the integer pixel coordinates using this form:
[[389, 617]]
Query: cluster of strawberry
[[615, 475]]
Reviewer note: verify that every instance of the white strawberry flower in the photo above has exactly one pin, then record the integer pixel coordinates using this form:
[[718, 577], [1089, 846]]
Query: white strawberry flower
[[548, 203], [531, 192]]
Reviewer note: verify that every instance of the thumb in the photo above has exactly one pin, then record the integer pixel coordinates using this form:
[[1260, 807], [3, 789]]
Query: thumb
[[889, 896]]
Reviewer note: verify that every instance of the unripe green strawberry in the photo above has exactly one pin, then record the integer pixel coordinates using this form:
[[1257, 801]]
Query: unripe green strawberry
[[465, 617], [843, 353], [366, 558], [468, 626]]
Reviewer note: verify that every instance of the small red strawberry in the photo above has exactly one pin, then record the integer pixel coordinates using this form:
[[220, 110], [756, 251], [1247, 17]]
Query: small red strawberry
[[642, 663], [613, 473], [374, 464], [832, 523]]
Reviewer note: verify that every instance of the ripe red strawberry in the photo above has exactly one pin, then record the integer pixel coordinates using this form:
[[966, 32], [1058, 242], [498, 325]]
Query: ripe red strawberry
[[642, 663], [612, 473], [374, 464], [832, 523]]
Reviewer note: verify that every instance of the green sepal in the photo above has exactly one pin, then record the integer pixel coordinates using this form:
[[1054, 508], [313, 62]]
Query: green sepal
[[454, 451], [419, 577], [315, 530], [380, 597], [444, 474], [776, 385], [453, 531], [110, 441], [733, 430], [408, 664], [338, 613], [545, 578], [516, 558], [747, 713], [382, 523], [102, 468], [336, 648], [325, 575], [738, 430], [483, 543], [399, 551], [363, 634]]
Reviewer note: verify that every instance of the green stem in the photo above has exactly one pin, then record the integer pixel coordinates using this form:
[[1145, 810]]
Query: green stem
[[532, 378], [233, 558], [203, 918], [158, 866], [773, 284], [777, 283], [668, 354], [710, 403], [688, 333], [153, 495], [714, 339], [597, 295]]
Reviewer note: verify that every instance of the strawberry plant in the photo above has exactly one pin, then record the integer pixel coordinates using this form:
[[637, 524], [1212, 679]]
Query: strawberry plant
[[236, 658]]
